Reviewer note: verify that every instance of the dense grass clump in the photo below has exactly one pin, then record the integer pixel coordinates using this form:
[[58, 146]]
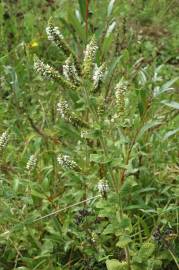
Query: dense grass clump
[[89, 135]]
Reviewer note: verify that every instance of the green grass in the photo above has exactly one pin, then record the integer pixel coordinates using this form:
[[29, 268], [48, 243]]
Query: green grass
[[53, 216]]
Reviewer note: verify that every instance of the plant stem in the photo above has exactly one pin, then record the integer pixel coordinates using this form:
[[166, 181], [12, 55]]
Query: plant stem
[[86, 20], [102, 142], [126, 249], [174, 258]]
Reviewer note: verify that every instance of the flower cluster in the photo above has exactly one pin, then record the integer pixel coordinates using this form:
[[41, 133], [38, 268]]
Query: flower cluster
[[3, 140], [63, 110], [120, 93], [45, 70], [65, 113], [57, 38], [69, 70], [98, 75], [89, 56], [49, 72], [31, 163], [53, 33], [66, 162]]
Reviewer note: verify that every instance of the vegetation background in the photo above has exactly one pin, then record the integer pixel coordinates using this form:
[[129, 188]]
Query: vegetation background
[[125, 145]]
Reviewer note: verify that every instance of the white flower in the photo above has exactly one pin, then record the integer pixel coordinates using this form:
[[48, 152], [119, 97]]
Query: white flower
[[98, 75], [66, 162], [31, 163], [45, 70], [103, 187], [4, 140]]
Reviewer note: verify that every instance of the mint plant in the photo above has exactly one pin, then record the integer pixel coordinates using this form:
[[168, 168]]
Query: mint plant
[[88, 144], [112, 127]]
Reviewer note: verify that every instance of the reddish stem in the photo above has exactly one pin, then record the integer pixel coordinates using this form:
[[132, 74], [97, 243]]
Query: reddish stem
[[86, 18]]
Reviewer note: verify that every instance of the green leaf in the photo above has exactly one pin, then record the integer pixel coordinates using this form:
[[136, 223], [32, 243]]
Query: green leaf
[[171, 104], [113, 66], [141, 206], [116, 265], [127, 187], [147, 126], [107, 44], [82, 5], [146, 251], [109, 230], [37, 194], [98, 158], [76, 25], [124, 223], [16, 184], [166, 87]]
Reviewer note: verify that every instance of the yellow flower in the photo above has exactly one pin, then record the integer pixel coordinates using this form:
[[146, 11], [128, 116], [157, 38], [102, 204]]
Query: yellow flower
[[33, 44]]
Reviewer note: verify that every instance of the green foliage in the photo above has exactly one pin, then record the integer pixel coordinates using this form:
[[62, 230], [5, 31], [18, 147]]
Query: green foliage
[[89, 138]]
